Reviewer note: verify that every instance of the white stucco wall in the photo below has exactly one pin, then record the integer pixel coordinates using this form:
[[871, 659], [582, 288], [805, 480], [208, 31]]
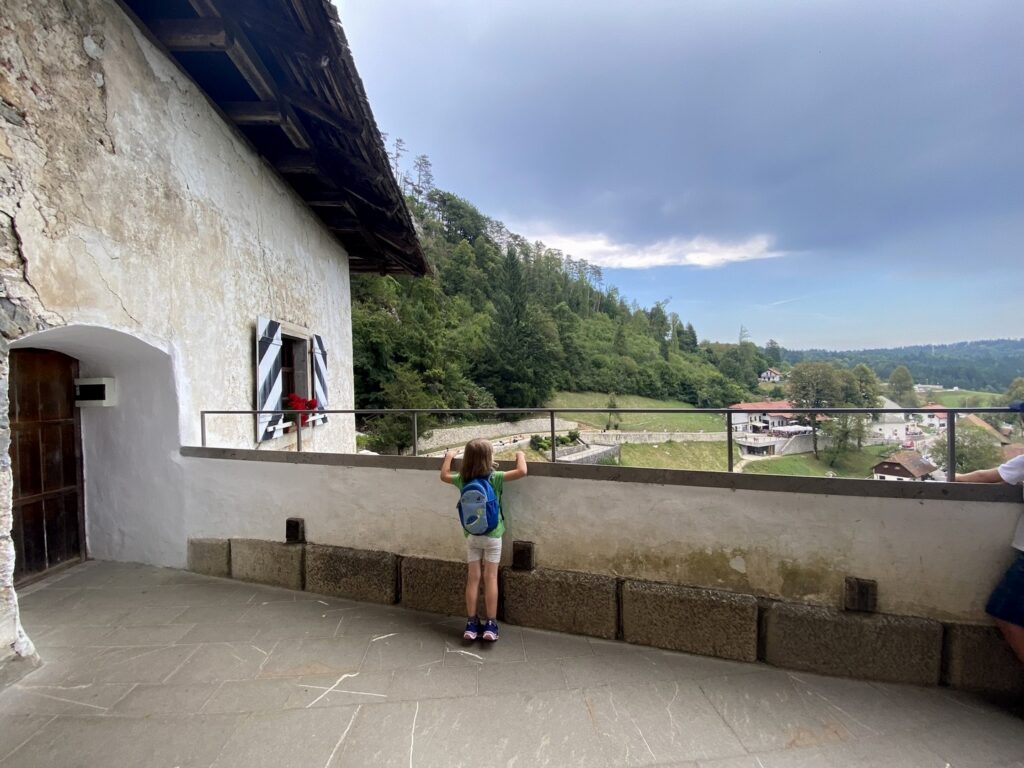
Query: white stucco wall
[[930, 558], [133, 481], [139, 209]]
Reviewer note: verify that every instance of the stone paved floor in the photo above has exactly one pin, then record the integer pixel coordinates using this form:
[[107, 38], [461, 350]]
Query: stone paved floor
[[155, 667]]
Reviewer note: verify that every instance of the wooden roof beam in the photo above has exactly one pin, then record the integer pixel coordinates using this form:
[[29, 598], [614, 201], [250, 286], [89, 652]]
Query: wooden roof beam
[[183, 35], [254, 112], [323, 111], [299, 163]]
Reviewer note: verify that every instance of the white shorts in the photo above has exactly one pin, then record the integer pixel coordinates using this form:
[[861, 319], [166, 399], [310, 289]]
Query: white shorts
[[487, 548]]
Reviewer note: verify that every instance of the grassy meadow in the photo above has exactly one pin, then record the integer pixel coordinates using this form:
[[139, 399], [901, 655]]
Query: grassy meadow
[[959, 398], [636, 422], [711, 457], [855, 464]]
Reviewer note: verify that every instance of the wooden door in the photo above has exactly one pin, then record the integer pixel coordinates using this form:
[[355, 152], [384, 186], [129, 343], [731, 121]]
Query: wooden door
[[46, 460]]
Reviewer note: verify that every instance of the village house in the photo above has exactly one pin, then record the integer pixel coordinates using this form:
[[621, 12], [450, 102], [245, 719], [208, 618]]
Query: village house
[[934, 416], [771, 376], [903, 466], [761, 416], [973, 421], [185, 189]]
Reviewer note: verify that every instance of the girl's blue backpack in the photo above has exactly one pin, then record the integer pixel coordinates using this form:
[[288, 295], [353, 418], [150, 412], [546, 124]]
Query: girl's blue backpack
[[478, 506]]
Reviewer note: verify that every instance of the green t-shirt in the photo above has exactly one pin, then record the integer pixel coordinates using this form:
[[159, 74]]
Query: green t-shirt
[[497, 484]]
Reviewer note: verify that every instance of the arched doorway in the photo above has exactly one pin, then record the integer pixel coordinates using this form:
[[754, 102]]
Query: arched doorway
[[46, 462]]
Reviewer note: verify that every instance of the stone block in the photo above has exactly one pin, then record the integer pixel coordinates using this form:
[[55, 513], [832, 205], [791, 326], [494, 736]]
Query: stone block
[[357, 574], [898, 649], [564, 601], [211, 557], [267, 562], [437, 586], [978, 659], [703, 621]]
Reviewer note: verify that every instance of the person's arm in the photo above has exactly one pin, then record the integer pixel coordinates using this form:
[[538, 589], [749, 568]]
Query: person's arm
[[979, 476], [446, 467], [520, 470]]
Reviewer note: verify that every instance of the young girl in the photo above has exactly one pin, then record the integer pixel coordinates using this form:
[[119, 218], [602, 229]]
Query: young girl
[[478, 461]]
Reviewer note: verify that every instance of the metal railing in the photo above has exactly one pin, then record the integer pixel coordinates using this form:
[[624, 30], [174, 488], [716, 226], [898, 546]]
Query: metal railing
[[728, 413]]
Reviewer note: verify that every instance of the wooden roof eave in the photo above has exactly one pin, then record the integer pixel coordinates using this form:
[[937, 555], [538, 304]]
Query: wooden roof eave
[[316, 79]]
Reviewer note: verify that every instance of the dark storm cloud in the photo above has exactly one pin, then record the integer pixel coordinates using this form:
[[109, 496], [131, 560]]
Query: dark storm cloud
[[826, 125]]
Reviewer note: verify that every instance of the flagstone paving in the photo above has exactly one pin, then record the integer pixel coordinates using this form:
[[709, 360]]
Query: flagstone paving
[[156, 667]]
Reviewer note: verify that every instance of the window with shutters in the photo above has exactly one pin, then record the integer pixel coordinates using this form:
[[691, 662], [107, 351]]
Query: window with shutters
[[295, 366], [289, 360]]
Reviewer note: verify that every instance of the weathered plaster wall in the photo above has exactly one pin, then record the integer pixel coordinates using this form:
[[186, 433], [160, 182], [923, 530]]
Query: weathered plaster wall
[[126, 202], [138, 208], [936, 559]]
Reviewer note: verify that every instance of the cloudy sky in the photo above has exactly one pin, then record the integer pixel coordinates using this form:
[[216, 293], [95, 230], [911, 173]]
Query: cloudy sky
[[833, 174]]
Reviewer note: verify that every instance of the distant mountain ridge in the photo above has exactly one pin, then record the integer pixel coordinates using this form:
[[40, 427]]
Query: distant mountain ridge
[[988, 366]]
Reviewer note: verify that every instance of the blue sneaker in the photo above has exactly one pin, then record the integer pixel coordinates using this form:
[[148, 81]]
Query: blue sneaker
[[472, 629], [491, 631]]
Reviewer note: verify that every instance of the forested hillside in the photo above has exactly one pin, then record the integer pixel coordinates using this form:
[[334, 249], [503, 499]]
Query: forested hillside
[[988, 366], [505, 322]]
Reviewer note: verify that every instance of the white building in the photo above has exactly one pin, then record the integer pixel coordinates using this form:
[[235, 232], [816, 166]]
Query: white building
[[761, 416], [181, 203], [771, 376]]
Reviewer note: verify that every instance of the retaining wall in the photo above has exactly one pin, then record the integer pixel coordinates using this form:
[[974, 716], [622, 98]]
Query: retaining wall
[[457, 436], [617, 437]]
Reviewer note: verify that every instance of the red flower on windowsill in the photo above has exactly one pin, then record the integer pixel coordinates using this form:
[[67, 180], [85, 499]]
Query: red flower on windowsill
[[296, 402]]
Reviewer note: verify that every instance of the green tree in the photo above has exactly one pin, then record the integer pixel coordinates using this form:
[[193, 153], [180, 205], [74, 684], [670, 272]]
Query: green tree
[[1015, 391], [614, 419], [814, 385], [975, 449], [523, 353], [688, 341], [901, 387], [869, 388], [773, 352]]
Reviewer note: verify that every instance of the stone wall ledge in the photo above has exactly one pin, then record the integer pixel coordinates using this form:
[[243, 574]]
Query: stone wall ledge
[[896, 649], [355, 574], [701, 621], [267, 562], [563, 601], [904, 649]]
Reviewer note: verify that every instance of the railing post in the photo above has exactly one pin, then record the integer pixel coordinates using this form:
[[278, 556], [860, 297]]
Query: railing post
[[951, 446], [415, 433], [554, 441], [202, 428], [728, 436], [298, 434]]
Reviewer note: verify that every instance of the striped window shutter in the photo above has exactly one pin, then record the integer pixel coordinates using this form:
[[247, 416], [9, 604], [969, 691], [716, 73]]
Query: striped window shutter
[[268, 379], [320, 378]]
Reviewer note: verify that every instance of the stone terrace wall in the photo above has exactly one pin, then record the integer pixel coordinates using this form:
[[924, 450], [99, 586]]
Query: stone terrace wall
[[618, 437], [934, 550], [459, 436]]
